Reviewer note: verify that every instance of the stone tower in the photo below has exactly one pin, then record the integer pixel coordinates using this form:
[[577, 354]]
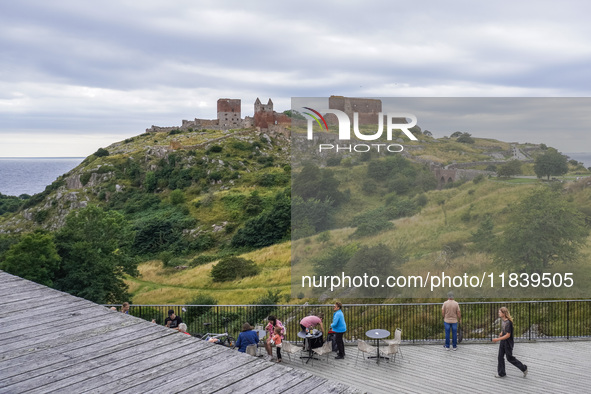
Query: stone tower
[[229, 112]]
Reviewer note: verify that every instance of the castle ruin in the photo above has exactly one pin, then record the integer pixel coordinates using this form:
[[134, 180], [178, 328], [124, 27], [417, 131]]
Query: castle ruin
[[229, 116]]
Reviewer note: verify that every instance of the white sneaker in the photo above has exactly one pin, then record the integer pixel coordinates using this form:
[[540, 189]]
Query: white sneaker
[[269, 358], [455, 348], [525, 373]]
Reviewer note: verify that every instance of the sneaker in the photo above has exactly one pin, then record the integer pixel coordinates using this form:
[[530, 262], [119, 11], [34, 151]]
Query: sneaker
[[455, 348], [446, 348], [268, 358], [525, 372], [279, 360], [339, 357], [499, 376]]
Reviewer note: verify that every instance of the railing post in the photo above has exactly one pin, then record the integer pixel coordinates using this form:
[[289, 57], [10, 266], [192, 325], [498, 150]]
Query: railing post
[[567, 319], [529, 322]]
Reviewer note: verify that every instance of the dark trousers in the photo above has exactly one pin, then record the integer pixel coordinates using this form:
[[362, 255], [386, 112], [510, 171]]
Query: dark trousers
[[278, 353], [340, 343], [506, 350]]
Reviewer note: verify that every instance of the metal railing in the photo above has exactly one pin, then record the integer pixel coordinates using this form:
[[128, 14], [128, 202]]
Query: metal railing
[[420, 322]]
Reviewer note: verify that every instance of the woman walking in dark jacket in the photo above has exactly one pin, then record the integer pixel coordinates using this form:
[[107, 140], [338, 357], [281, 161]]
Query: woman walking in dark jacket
[[506, 345]]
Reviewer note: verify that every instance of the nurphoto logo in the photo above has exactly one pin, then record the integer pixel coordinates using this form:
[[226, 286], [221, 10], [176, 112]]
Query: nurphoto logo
[[394, 121]]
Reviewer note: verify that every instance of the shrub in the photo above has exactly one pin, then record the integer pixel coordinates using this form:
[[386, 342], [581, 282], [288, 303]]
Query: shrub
[[214, 149], [371, 223], [101, 152], [194, 312], [177, 197], [334, 260], [177, 261], [84, 178], [478, 178], [166, 257], [465, 138], [421, 200], [231, 268], [203, 259], [333, 161], [150, 181], [40, 216], [240, 145]]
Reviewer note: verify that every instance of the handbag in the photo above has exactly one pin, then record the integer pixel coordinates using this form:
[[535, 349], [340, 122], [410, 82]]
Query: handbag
[[460, 334]]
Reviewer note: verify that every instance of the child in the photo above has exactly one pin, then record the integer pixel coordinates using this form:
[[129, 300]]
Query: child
[[276, 340]]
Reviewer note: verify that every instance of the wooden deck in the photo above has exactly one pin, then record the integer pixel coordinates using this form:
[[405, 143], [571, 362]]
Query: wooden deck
[[554, 367], [54, 342]]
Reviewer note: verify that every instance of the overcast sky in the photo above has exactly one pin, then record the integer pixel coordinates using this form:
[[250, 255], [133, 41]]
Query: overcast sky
[[77, 75]]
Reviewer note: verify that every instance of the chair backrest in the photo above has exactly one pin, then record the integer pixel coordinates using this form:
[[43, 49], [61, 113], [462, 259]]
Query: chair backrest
[[393, 348], [252, 350], [398, 335], [289, 347], [363, 346], [327, 347]]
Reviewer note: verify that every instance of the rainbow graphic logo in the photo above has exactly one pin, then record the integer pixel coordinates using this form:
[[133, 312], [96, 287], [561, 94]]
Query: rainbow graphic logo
[[315, 118]]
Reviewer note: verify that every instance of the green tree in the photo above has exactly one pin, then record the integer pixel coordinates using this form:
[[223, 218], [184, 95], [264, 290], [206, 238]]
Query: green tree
[[551, 163], [544, 229], [34, 257], [333, 261], [194, 312], [271, 226], [510, 168], [94, 246], [313, 182], [378, 261]]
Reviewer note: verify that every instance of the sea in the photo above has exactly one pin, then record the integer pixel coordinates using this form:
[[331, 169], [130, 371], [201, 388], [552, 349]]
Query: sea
[[30, 175], [583, 157]]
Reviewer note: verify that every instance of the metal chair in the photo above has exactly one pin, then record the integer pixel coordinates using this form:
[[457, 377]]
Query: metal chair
[[390, 350], [325, 349], [252, 350], [290, 348], [364, 347], [396, 341]]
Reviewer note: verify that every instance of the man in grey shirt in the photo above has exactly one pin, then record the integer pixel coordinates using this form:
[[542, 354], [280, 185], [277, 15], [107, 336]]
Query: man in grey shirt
[[451, 317]]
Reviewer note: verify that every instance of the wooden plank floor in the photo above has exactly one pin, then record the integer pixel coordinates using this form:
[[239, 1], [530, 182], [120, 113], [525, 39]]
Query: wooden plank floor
[[54, 342], [554, 367]]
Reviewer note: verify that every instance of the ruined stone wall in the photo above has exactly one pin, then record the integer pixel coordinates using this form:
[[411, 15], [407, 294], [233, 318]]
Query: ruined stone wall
[[368, 109]]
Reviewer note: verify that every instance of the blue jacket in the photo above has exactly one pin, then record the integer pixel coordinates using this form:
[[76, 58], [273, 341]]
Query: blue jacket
[[338, 322], [246, 338]]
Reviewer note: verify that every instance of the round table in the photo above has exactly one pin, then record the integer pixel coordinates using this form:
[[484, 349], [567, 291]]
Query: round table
[[306, 337], [378, 334]]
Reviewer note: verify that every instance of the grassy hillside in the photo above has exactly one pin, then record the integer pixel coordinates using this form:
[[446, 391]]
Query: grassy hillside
[[190, 194]]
